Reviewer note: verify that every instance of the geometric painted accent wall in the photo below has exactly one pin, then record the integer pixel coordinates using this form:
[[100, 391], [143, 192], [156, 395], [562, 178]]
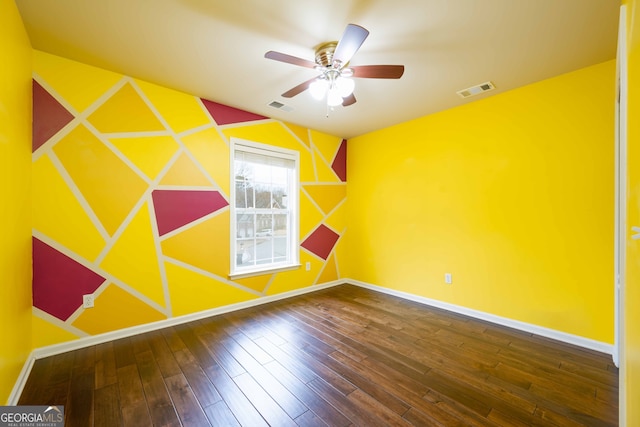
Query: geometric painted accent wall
[[131, 188]]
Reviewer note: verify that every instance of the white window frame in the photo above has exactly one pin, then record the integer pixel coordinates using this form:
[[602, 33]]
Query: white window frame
[[293, 204]]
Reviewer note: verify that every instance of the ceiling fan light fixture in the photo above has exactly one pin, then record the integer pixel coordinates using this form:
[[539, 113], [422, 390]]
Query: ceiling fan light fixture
[[318, 88], [333, 97], [332, 63], [345, 86]]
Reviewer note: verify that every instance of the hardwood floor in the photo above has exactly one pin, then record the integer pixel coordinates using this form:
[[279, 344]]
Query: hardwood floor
[[340, 356]]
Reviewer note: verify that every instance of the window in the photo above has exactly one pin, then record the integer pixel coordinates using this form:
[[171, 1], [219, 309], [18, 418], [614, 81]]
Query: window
[[264, 214]]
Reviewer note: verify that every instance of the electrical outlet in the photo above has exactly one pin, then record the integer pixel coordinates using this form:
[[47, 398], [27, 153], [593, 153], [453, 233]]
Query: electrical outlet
[[307, 266], [447, 278], [87, 301]]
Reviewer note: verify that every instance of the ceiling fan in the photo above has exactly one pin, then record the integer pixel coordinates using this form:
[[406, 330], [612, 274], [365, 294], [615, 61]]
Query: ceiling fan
[[331, 61]]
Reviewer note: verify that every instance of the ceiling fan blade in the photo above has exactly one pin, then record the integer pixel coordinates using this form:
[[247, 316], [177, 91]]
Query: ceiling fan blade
[[283, 57], [352, 39], [349, 100], [378, 71], [298, 89]]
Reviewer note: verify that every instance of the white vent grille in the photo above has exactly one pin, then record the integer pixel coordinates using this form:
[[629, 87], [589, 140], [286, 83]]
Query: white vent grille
[[280, 106], [475, 90]]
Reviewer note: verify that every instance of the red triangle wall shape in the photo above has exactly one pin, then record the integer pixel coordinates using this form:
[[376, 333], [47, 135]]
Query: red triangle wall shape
[[224, 115], [175, 208], [49, 116], [339, 164], [59, 281]]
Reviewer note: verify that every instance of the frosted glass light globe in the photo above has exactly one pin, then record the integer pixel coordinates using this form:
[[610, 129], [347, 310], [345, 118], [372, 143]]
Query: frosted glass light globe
[[318, 88], [345, 86], [333, 97]]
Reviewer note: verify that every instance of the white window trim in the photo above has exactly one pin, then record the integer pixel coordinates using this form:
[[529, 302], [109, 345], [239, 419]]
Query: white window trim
[[294, 201]]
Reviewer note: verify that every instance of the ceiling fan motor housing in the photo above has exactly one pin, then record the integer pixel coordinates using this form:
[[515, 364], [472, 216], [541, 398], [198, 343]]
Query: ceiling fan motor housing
[[324, 54]]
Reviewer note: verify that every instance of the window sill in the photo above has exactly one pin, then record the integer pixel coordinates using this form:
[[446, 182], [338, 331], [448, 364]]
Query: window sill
[[250, 273]]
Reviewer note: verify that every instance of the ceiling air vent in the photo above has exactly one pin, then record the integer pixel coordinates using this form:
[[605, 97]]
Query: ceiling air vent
[[280, 106], [475, 90]]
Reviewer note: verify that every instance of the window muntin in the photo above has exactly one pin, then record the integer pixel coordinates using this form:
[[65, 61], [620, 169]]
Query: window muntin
[[264, 208]]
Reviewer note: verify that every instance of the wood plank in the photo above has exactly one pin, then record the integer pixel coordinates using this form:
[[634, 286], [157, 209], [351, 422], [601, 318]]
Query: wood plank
[[123, 351], [159, 402], [61, 367], [237, 402], [221, 355], [418, 418], [219, 414], [173, 340], [310, 419], [140, 343], [202, 388], [163, 354], [107, 407], [105, 365], [132, 400], [185, 402], [266, 406], [79, 407], [461, 413], [376, 412], [194, 344]]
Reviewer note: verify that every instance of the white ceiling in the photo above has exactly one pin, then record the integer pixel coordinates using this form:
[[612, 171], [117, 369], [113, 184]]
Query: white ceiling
[[215, 48]]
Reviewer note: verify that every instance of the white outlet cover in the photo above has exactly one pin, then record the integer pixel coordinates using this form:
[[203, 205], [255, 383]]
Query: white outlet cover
[[87, 301]]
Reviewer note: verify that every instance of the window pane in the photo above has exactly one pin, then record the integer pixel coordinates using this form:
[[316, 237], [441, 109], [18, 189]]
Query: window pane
[[280, 247], [264, 250], [242, 169], [244, 194], [264, 225], [279, 175], [241, 197], [263, 196], [279, 197], [245, 225], [280, 224], [245, 253], [250, 195]]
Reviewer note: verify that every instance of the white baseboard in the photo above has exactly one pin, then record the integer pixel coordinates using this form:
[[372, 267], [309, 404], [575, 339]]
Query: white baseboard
[[21, 381], [52, 350], [515, 324]]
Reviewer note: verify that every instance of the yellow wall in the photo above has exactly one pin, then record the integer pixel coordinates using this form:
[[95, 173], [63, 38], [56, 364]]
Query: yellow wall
[[94, 183], [15, 194], [512, 195], [631, 323]]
